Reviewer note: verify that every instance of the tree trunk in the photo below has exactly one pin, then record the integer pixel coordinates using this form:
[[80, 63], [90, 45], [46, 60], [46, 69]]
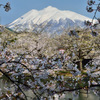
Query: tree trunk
[[81, 65]]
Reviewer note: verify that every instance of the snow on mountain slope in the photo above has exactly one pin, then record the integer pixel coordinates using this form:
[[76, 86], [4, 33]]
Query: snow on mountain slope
[[51, 16]]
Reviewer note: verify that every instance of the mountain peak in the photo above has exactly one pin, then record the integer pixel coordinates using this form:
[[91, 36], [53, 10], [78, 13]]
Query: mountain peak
[[50, 8]]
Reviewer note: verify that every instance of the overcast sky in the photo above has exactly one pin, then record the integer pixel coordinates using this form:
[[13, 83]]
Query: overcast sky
[[20, 7]]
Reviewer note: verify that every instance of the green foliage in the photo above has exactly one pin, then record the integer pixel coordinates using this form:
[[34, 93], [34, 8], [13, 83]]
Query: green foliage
[[12, 40], [0, 33]]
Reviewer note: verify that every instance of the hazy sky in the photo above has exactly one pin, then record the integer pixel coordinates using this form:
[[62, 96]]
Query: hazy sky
[[20, 7]]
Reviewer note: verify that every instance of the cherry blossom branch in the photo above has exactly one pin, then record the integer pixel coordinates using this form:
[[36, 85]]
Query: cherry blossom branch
[[7, 76], [70, 90]]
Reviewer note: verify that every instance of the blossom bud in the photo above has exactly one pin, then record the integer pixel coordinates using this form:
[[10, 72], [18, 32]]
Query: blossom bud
[[89, 9], [90, 2], [87, 23], [7, 7]]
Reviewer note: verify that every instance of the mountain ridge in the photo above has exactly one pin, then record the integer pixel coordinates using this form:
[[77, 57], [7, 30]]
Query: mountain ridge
[[48, 15]]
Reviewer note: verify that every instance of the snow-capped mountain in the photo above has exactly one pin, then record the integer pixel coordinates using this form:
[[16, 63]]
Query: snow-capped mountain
[[49, 19]]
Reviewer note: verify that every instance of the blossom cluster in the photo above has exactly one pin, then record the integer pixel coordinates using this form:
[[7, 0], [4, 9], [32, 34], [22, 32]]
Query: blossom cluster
[[6, 7], [42, 75]]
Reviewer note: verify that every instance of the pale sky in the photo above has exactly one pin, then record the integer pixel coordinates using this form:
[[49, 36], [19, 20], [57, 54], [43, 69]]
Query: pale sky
[[20, 7]]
